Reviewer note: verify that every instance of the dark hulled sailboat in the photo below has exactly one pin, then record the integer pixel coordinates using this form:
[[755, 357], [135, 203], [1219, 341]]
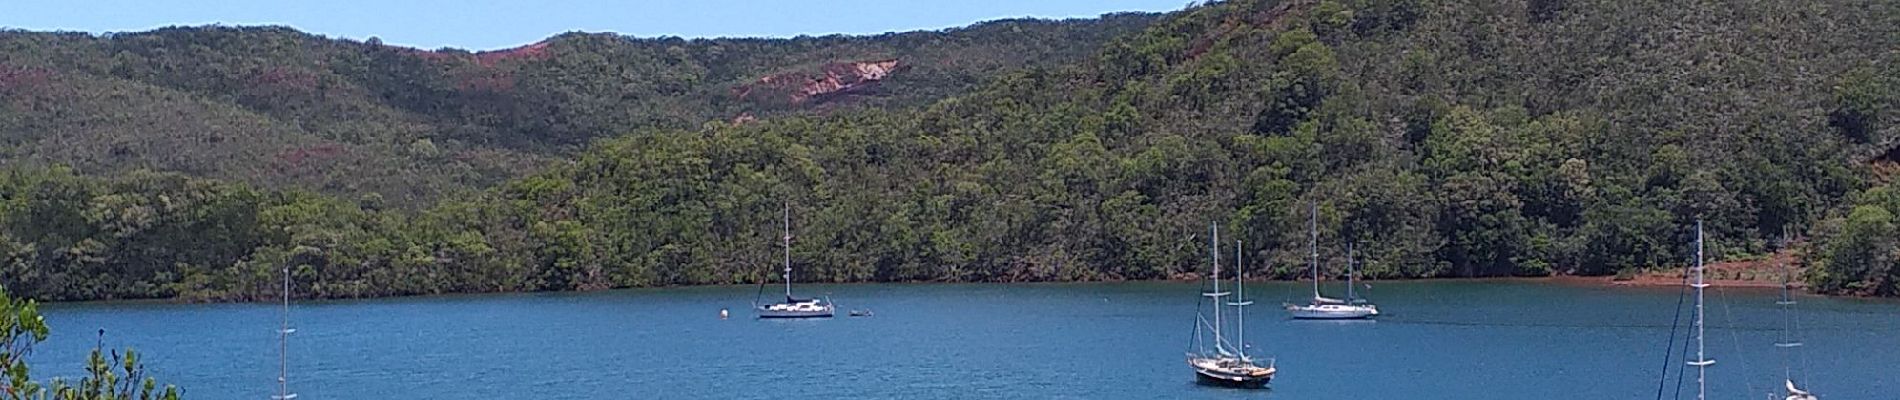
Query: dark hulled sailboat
[[1225, 364]]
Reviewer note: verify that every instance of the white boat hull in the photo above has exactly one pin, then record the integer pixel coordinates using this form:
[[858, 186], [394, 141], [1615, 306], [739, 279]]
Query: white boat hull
[[1332, 311], [812, 309], [770, 314]]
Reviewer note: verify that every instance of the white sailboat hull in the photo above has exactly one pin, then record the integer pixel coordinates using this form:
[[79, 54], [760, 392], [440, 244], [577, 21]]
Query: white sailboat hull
[[808, 309], [1332, 311], [774, 314]]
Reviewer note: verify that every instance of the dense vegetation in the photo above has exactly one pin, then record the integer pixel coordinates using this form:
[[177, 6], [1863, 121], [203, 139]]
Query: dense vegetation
[[1445, 138], [280, 108], [108, 378]]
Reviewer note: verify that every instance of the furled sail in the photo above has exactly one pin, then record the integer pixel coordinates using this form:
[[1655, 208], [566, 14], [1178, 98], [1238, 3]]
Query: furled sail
[[1327, 300]]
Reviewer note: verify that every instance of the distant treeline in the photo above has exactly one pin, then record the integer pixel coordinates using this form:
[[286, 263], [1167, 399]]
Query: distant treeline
[[1443, 138]]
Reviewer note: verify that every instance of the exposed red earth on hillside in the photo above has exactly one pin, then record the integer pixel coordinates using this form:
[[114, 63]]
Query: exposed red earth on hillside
[[536, 51], [1271, 19], [533, 51], [831, 80], [294, 158], [17, 76]]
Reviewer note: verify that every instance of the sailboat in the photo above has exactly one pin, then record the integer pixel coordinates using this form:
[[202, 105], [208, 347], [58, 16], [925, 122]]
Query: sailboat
[[1789, 342], [283, 343], [793, 307], [1226, 364], [1322, 307]]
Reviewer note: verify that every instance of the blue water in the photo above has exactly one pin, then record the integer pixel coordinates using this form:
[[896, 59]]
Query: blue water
[[1451, 340]]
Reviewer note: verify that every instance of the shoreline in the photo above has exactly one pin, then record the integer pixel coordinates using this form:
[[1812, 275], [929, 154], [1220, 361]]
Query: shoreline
[[1652, 280], [1644, 280]]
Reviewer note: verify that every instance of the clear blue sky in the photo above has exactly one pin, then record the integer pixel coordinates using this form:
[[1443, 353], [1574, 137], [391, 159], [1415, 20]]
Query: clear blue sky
[[494, 24]]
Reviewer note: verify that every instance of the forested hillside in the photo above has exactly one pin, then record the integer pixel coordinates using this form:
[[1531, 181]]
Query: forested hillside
[[281, 109], [1444, 138]]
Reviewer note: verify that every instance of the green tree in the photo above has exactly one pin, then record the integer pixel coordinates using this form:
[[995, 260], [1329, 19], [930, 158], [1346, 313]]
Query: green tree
[[1860, 259], [108, 377]]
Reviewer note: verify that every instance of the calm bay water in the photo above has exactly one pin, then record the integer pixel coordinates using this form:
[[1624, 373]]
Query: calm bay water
[[1439, 340]]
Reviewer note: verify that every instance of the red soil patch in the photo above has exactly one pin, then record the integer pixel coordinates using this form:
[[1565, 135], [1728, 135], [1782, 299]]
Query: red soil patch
[[536, 51], [1662, 279], [294, 158], [18, 77], [486, 82], [831, 80], [1763, 273], [1272, 20], [285, 77], [483, 77], [1884, 170]]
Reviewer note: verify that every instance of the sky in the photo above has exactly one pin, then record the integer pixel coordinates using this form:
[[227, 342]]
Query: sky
[[498, 24]]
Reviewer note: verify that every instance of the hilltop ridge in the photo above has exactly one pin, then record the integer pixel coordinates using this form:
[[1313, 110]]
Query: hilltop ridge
[[285, 109]]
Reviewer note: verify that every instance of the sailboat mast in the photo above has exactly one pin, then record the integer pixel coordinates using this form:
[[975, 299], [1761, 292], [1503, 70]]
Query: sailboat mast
[[1788, 340], [788, 252], [1312, 244], [1240, 299], [283, 343], [1787, 301], [1701, 362], [1218, 342], [1349, 273]]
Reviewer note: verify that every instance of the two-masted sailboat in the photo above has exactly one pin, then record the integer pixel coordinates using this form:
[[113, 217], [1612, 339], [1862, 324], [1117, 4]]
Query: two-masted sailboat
[[793, 307], [1322, 307], [1225, 363]]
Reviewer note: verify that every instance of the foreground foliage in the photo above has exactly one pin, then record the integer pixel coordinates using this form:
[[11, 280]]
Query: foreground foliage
[[114, 378]]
